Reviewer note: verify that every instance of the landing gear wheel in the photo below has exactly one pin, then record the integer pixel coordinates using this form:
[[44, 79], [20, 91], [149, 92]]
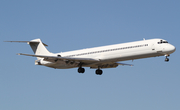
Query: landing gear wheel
[[167, 59], [99, 72], [81, 70]]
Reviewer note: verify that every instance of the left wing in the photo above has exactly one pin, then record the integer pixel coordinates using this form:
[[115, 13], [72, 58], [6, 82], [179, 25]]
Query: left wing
[[88, 62], [50, 58]]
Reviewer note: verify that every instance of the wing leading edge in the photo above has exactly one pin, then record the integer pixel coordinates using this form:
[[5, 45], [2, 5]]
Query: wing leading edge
[[47, 57]]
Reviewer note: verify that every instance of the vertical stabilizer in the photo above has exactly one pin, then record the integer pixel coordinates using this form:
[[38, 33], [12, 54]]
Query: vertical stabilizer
[[38, 47]]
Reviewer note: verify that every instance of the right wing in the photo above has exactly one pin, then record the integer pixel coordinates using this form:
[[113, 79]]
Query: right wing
[[107, 65]]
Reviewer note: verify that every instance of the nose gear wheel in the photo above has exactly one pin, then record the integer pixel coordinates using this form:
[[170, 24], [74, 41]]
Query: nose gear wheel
[[167, 59]]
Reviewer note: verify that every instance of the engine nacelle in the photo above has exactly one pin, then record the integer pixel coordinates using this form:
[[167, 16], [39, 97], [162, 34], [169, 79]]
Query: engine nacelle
[[38, 62]]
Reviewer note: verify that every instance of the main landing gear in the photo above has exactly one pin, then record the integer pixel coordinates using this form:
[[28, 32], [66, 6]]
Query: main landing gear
[[99, 72], [167, 59], [82, 70]]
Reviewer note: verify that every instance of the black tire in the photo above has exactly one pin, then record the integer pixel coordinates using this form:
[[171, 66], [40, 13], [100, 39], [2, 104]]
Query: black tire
[[99, 72], [167, 59], [81, 70]]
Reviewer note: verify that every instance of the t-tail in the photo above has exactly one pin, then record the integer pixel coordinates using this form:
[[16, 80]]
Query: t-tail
[[37, 46]]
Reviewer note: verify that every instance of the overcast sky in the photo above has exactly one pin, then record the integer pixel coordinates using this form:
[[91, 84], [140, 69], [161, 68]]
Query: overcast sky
[[151, 84]]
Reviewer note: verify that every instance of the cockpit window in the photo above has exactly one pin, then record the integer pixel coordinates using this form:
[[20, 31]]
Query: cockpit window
[[165, 41], [162, 41]]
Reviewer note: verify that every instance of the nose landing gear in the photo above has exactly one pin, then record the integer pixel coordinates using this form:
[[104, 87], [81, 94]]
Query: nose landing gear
[[167, 59]]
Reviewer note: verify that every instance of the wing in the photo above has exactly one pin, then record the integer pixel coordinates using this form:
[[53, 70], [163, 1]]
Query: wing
[[107, 65], [50, 58], [87, 62]]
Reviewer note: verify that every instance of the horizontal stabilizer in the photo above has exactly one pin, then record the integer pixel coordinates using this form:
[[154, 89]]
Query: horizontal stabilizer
[[27, 42]]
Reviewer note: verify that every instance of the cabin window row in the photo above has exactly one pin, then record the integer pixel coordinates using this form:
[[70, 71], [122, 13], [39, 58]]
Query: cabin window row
[[109, 50]]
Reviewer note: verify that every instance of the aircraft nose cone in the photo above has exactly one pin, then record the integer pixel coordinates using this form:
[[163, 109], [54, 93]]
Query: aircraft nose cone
[[172, 48]]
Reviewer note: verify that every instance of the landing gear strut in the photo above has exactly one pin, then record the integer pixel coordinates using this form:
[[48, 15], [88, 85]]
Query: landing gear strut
[[167, 59], [99, 72], [81, 70]]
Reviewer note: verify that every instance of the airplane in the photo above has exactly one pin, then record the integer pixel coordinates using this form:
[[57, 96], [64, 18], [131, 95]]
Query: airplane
[[99, 57]]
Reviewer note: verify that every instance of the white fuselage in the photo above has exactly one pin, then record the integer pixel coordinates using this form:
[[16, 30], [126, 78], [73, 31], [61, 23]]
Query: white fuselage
[[115, 53]]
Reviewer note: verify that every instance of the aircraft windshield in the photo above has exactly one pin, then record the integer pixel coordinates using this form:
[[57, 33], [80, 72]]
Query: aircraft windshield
[[162, 41]]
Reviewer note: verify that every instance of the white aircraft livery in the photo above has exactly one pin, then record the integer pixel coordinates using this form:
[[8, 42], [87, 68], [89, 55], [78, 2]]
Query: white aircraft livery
[[99, 57]]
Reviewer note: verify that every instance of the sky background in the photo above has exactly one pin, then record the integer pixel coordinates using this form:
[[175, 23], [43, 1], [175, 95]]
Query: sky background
[[151, 84]]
